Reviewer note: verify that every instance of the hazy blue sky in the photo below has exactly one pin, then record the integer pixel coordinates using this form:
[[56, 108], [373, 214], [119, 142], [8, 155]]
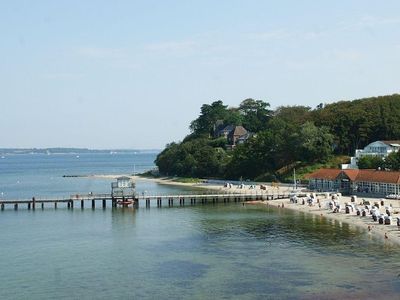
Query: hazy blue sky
[[133, 74]]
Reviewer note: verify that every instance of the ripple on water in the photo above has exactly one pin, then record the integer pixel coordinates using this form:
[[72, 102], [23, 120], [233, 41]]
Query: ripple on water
[[181, 272]]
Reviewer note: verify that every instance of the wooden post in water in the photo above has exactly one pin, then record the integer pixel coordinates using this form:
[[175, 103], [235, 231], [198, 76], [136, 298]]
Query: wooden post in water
[[16, 206], [72, 203], [93, 204], [42, 205], [33, 203], [2, 206], [55, 205], [82, 204], [68, 205], [29, 205], [104, 203], [136, 202], [113, 202]]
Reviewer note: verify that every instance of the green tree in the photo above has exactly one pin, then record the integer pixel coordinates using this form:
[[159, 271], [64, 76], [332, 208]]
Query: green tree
[[370, 162], [293, 115], [255, 113], [315, 143], [194, 158], [209, 115], [392, 161]]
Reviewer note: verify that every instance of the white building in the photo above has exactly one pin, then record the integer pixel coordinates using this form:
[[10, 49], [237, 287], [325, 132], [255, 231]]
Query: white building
[[362, 182], [378, 148], [123, 187]]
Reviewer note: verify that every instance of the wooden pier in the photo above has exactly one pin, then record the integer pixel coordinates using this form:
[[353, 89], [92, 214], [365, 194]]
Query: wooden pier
[[81, 200]]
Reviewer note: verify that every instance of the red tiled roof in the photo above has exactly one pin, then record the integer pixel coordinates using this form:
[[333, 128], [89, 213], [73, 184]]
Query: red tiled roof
[[330, 174], [351, 173], [357, 175], [378, 176]]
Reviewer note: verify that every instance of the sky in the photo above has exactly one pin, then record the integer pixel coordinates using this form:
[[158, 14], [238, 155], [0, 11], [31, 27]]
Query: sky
[[133, 74]]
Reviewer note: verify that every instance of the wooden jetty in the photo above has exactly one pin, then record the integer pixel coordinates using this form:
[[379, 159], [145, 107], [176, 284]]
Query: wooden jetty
[[82, 200]]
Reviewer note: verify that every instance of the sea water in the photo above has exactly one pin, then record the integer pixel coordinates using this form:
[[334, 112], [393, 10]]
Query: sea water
[[210, 251]]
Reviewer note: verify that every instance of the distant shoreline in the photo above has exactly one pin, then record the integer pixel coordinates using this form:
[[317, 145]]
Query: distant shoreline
[[61, 150]]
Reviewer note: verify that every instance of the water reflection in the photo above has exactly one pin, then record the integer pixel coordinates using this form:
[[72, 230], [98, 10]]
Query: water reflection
[[123, 217]]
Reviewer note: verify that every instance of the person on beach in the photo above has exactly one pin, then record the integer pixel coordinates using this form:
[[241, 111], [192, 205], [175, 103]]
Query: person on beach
[[369, 227], [386, 236]]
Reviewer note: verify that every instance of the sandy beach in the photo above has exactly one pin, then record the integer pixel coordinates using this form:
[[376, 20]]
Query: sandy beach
[[392, 232]]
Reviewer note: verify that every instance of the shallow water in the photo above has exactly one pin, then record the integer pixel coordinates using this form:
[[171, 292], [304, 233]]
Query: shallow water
[[225, 251], [204, 251]]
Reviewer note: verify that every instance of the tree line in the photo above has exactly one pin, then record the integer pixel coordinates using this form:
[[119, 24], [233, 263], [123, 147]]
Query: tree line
[[284, 138]]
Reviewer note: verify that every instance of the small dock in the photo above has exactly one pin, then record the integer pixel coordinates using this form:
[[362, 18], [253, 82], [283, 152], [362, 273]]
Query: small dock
[[94, 200]]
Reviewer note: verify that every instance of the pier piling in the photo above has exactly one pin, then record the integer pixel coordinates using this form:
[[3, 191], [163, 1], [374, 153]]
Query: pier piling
[[203, 199]]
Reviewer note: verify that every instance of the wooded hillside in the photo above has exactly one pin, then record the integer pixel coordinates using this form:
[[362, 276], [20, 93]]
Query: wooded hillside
[[281, 139]]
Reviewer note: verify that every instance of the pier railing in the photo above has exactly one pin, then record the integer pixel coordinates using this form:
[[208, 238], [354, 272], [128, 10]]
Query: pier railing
[[193, 198]]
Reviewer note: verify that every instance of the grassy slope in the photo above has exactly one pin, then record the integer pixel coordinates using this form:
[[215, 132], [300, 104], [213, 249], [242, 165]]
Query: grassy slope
[[302, 170]]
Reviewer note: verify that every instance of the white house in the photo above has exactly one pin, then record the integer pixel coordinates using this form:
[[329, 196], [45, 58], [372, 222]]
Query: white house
[[378, 148]]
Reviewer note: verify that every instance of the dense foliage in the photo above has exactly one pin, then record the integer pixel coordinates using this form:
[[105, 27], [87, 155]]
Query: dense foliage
[[392, 162], [290, 136], [359, 122]]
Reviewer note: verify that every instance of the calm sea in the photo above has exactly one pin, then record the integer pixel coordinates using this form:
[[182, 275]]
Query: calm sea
[[221, 251]]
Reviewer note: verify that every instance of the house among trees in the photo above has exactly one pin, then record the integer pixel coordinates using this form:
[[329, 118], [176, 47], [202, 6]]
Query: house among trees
[[380, 149], [238, 135], [350, 181], [222, 130], [234, 134]]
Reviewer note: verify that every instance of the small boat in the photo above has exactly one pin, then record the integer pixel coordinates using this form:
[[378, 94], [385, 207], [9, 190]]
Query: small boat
[[124, 202]]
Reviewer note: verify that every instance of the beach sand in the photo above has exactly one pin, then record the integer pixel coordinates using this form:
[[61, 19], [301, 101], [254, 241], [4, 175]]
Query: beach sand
[[392, 231]]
